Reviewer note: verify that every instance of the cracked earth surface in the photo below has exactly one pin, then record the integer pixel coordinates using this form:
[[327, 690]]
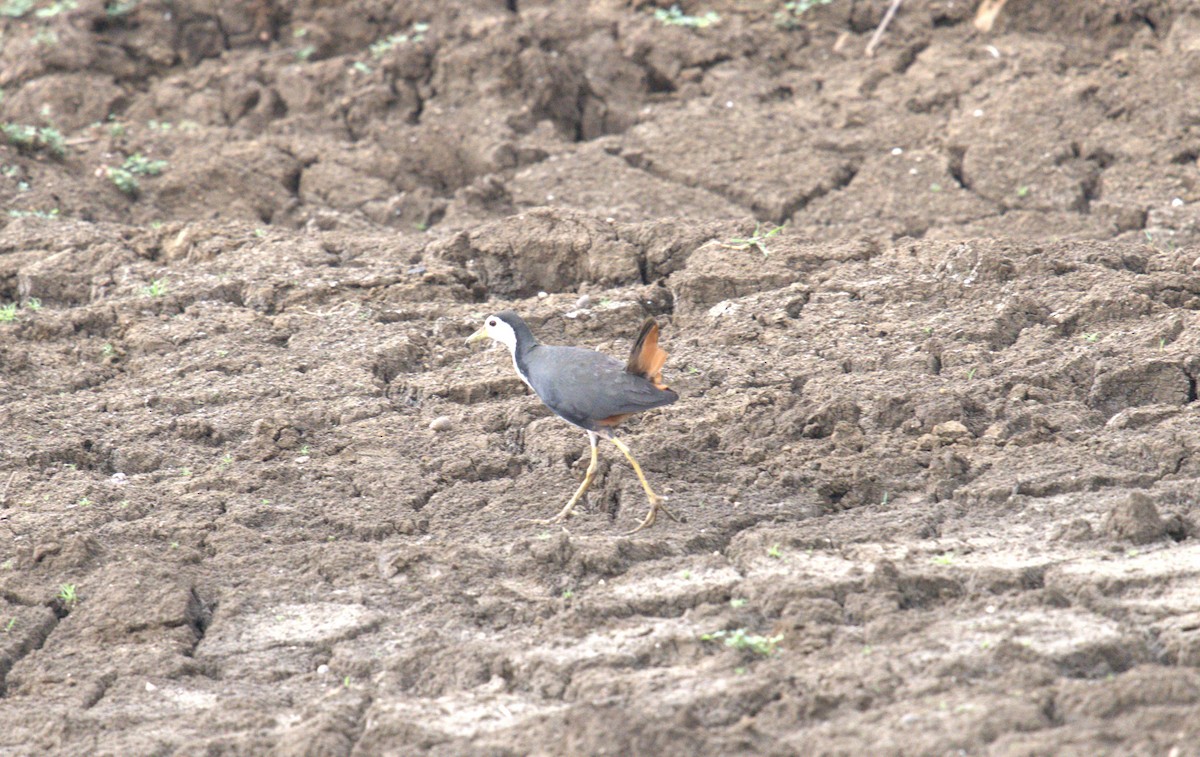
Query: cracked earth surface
[[935, 442]]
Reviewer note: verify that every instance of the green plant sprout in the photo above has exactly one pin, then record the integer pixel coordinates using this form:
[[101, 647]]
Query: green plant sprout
[[788, 18], [15, 8], [416, 33], [143, 166], [55, 8], [738, 639], [156, 288], [673, 16], [67, 595], [46, 214], [758, 240], [123, 180], [29, 138], [118, 9], [8, 313]]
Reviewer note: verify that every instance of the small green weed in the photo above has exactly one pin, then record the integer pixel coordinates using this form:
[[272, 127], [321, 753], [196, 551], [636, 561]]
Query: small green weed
[[67, 595], [15, 8], [737, 602], [416, 33], [124, 181], [55, 8], [8, 313], [673, 16], [119, 9], [946, 559], [1091, 337], [789, 17], [774, 552], [1022, 191], [567, 594], [738, 639], [84, 502], [143, 166], [28, 138], [362, 68], [758, 240], [156, 288], [34, 304], [108, 350], [10, 624]]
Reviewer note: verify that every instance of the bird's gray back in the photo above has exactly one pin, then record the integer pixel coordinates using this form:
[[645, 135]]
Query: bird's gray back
[[584, 386]]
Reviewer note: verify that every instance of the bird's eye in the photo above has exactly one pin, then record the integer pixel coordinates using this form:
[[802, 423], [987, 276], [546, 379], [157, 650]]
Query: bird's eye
[[492, 322]]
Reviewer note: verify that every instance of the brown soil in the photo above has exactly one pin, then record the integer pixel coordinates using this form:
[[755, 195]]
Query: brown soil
[[940, 436]]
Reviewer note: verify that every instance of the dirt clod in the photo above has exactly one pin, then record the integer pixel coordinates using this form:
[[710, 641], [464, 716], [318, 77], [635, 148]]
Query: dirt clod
[[1135, 520]]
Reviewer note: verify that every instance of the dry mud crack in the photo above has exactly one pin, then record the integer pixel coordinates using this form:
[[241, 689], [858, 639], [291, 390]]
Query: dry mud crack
[[936, 452]]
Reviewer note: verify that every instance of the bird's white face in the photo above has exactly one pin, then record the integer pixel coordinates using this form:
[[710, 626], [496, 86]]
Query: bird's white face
[[495, 328]]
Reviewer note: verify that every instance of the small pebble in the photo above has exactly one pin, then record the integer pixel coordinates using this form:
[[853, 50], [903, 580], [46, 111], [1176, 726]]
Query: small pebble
[[322, 669], [441, 423], [303, 459], [1177, 202], [583, 302], [150, 686], [543, 295]]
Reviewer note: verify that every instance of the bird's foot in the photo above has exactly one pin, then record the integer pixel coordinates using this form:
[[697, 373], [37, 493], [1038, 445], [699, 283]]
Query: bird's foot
[[656, 506], [562, 516]]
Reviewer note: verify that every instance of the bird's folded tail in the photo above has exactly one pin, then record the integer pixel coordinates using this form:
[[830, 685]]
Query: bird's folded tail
[[647, 358]]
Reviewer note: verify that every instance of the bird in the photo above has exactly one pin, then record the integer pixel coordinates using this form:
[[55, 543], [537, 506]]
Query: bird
[[590, 390]]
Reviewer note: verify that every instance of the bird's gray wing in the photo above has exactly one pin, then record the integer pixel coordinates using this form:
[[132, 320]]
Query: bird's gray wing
[[585, 386]]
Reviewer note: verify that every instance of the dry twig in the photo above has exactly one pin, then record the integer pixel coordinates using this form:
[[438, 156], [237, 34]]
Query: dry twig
[[883, 25], [4, 492], [985, 17]]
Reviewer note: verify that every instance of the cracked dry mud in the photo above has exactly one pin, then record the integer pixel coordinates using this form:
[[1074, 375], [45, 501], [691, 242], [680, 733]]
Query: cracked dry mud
[[942, 439]]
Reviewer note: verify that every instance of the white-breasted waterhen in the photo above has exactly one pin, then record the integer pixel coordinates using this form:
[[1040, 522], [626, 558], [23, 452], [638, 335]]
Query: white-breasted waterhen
[[589, 389]]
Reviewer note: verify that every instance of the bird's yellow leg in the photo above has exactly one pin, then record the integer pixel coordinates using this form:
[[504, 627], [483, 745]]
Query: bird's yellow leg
[[583, 487], [655, 501]]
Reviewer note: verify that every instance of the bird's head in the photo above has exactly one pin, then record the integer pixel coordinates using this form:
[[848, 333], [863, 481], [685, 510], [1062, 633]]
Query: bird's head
[[503, 327]]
